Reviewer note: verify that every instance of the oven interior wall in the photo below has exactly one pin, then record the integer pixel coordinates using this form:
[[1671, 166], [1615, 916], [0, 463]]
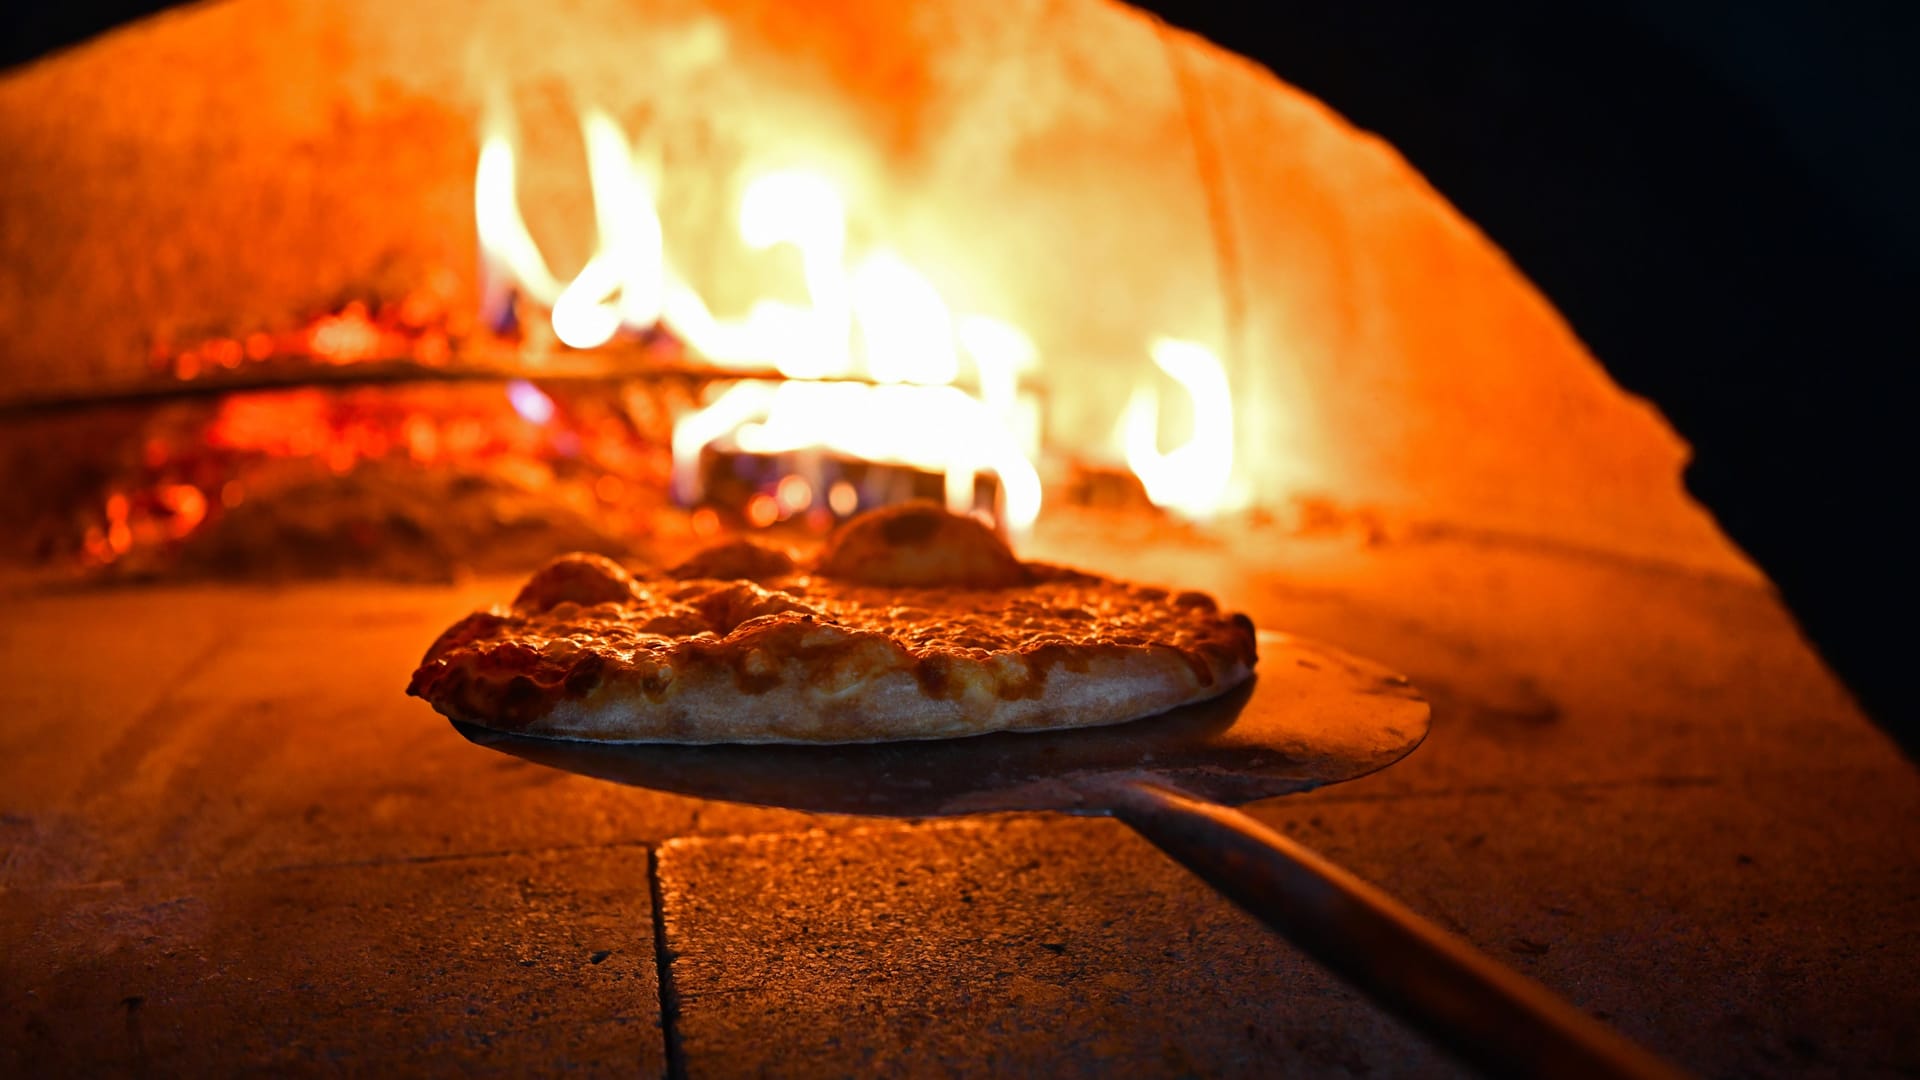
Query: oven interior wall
[[1076, 169]]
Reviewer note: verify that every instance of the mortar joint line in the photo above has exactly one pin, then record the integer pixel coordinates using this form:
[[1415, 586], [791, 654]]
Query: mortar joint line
[[663, 968]]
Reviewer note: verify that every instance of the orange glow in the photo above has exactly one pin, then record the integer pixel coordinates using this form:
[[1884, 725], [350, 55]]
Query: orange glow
[[843, 499], [119, 534], [762, 511], [187, 505], [1192, 478], [346, 337], [415, 328], [421, 437], [794, 494], [269, 446]]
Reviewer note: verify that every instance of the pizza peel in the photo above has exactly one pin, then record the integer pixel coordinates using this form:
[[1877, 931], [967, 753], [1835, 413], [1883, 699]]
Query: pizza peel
[[1312, 716]]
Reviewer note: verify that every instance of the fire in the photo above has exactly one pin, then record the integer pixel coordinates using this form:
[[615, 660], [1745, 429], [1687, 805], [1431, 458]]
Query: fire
[[907, 329], [874, 362], [900, 424], [511, 255], [1192, 478], [629, 257], [909, 342], [803, 211]]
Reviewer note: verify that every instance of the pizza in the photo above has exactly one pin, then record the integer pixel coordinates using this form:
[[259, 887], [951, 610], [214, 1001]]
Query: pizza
[[911, 623]]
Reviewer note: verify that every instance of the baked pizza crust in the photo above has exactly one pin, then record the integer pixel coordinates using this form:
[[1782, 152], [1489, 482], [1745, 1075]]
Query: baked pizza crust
[[912, 624]]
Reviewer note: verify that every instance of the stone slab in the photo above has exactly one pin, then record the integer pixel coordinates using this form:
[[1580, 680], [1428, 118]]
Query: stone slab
[[1545, 663], [1743, 926], [1640, 787], [214, 730], [1006, 947], [1752, 930], [511, 964]]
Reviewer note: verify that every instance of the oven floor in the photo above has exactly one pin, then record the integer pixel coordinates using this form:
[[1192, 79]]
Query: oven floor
[[229, 842]]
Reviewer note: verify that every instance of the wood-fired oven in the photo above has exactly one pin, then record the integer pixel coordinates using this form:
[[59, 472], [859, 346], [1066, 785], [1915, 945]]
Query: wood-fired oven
[[320, 323]]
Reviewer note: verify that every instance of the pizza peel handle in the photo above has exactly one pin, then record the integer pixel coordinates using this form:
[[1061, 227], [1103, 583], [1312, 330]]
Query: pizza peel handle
[[1486, 1013]]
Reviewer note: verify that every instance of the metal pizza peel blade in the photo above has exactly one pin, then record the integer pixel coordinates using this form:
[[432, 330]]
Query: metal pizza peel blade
[[1312, 715]]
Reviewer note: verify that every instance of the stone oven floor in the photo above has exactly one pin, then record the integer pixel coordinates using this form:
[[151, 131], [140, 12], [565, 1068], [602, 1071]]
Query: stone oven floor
[[228, 842]]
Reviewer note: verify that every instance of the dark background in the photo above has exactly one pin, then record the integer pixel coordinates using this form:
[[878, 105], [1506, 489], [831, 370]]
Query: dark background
[[1719, 196]]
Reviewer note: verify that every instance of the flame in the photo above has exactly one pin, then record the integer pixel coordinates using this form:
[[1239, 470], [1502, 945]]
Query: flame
[[803, 211], [508, 249], [906, 327], [1192, 478], [882, 320], [1001, 353], [909, 341], [629, 260], [936, 428]]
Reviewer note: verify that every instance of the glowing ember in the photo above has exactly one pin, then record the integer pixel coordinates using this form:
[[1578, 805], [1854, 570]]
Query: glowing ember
[[186, 505], [341, 339], [418, 329], [529, 402], [794, 494], [843, 498], [763, 510], [409, 480]]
